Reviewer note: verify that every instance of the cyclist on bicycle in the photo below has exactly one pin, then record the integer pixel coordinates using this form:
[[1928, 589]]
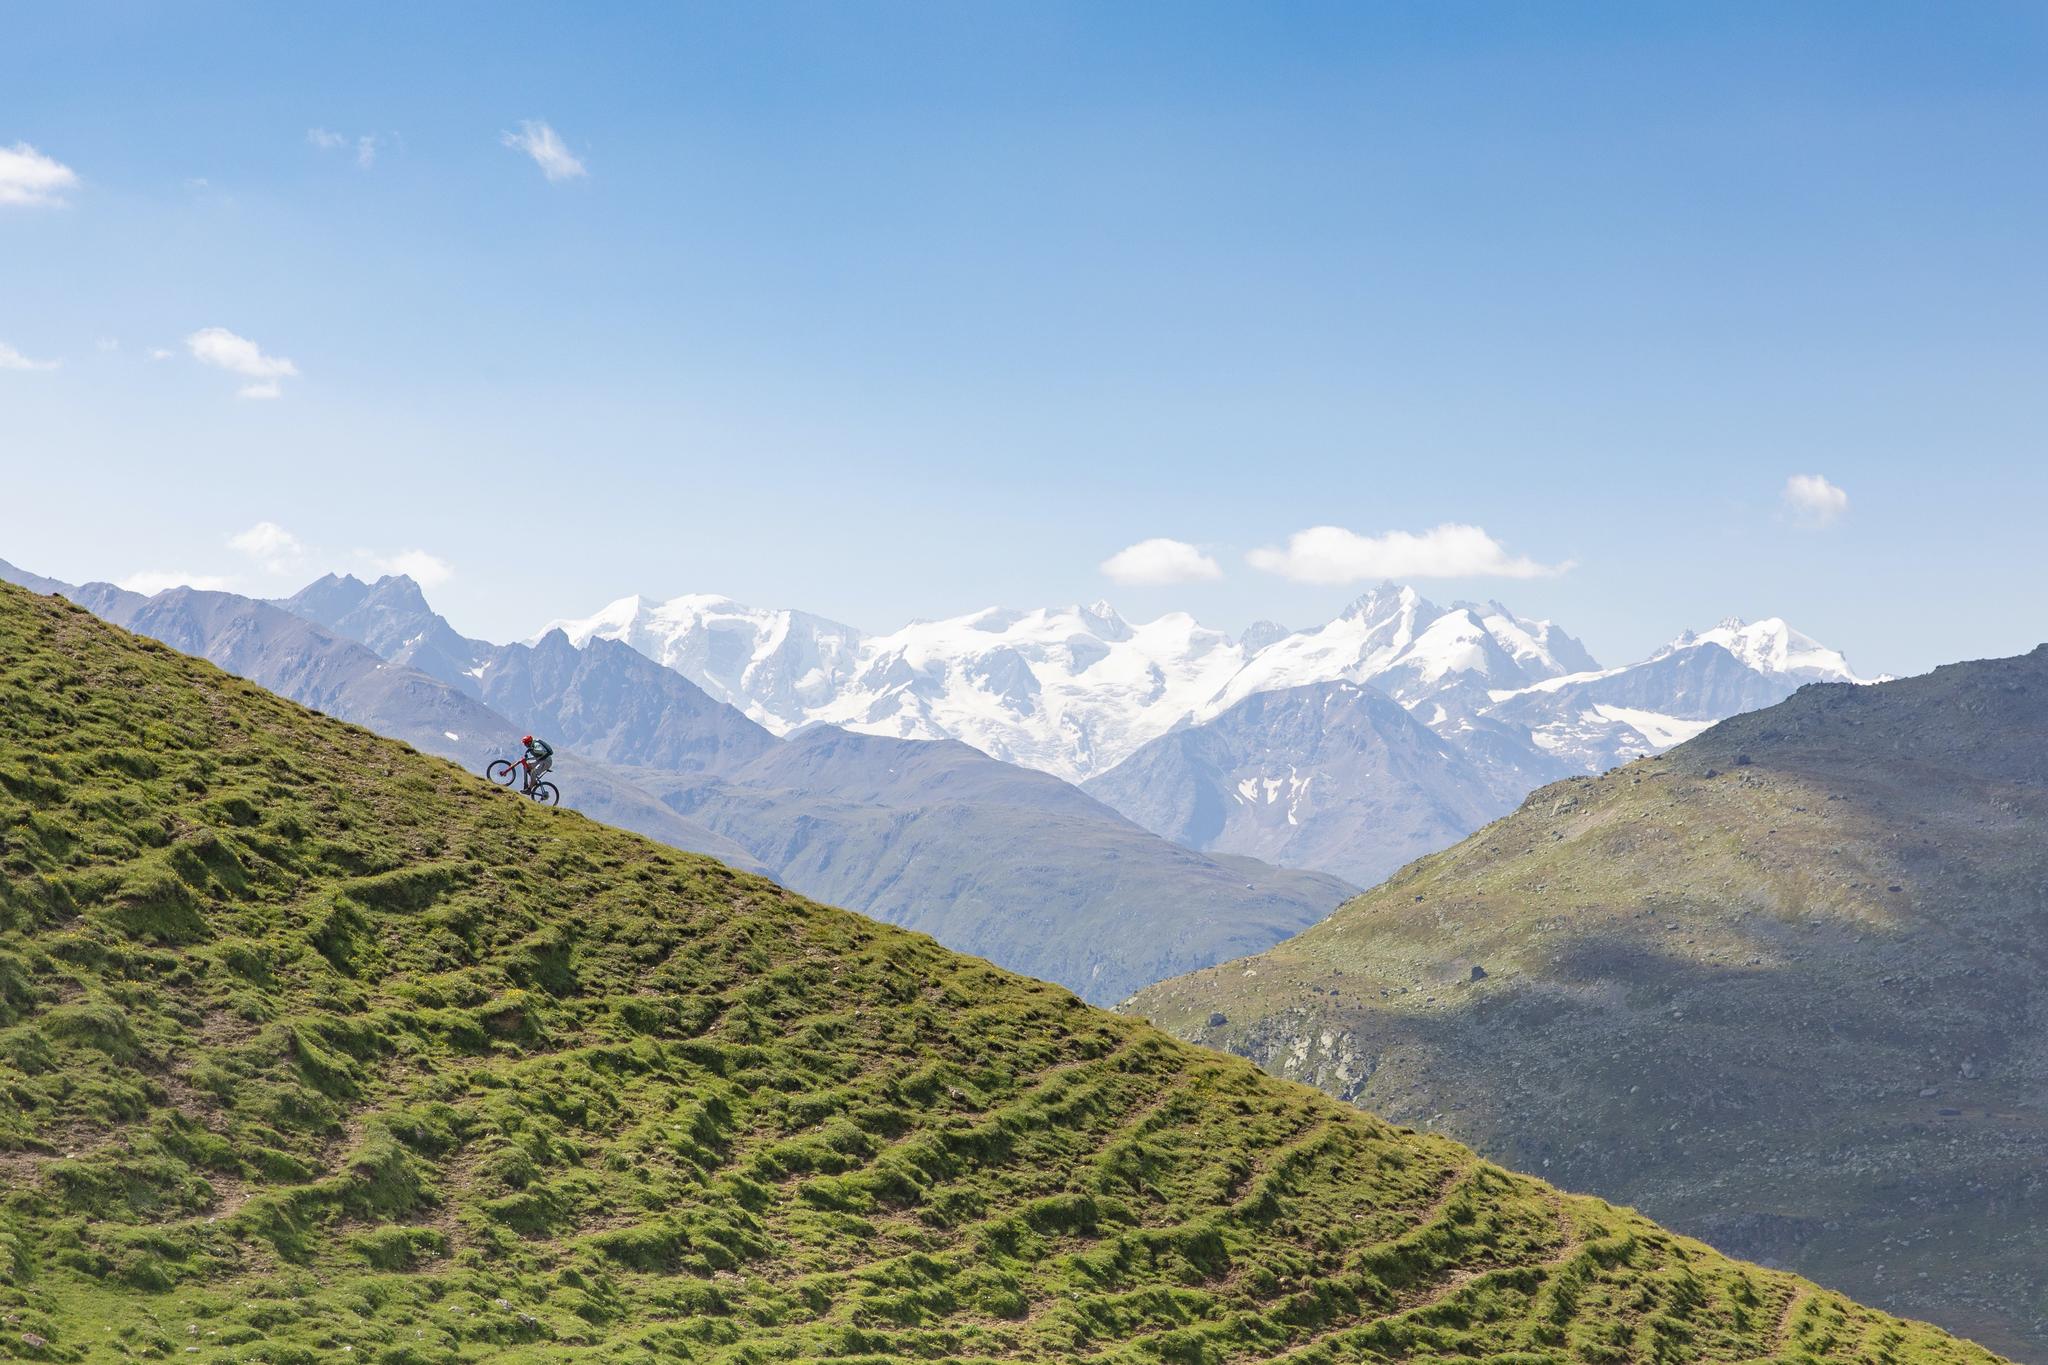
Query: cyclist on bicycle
[[540, 756]]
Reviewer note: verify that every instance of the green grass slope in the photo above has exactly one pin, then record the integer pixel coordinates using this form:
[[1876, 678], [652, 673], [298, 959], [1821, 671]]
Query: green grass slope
[[1782, 989], [315, 1048]]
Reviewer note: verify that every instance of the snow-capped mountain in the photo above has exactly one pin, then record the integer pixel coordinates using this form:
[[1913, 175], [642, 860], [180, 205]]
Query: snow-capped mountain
[[1595, 719], [1069, 691], [777, 667], [1075, 691], [1476, 708], [1411, 649], [1771, 646]]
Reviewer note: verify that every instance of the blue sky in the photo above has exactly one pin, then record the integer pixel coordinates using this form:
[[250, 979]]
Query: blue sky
[[901, 310]]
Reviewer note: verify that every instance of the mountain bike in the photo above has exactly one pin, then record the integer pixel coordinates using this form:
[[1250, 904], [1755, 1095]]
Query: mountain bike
[[505, 769]]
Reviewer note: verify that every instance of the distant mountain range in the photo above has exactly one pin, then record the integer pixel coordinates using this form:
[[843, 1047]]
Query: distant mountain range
[[1780, 987], [1268, 744], [988, 857], [1330, 756]]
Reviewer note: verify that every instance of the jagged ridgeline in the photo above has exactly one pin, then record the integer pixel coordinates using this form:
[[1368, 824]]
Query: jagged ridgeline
[[313, 1045]]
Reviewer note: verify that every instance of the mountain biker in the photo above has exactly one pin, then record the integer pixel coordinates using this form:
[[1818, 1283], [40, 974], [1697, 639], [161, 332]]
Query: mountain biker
[[540, 756]]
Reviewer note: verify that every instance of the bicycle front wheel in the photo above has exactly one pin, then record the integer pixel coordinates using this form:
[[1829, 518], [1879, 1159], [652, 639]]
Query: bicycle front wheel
[[502, 772], [547, 794]]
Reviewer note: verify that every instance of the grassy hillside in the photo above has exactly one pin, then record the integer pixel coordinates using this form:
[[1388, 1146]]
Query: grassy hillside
[[313, 1047], [1782, 989]]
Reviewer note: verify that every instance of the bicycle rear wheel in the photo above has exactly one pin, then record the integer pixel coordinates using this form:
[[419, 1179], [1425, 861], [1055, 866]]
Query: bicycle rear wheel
[[547, 794], [502, 772]]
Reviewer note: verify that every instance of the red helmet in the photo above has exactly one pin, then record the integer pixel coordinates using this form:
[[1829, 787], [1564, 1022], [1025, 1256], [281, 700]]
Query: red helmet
[[527, 740]]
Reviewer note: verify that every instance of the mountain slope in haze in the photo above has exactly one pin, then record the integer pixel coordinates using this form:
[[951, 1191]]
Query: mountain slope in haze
[[995, 860], [1782, 988], [391, 617], [992, 858], [388, 1065], [1335, 776], [605, 700], [608, 700]]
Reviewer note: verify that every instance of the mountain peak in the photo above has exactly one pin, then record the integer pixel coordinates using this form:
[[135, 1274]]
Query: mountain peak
[[328, 597], [1386, 601], [1261, 633], [1770, 646], [1114, 627], [400, 590], [612, 621]]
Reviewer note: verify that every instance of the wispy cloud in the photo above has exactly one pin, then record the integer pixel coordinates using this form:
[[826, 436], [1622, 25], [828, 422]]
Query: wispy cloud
[[1160, 561], [425, 569], [1813, 500], [547, 149], [150, 582], [222, 349], [1333, 555], [270, 545], [30, 179], [365, 145], [11, 359]]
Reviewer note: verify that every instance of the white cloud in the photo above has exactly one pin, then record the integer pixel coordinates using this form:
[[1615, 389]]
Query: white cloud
[[1331, 554], [276, 549], [1813, 500], [11, 359], [547, 149], [219, 347], [109, 343], [29, 178], [153, 581], [1159, 561], [366, 152], [325, 140], [161, 353], [422, 568]]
